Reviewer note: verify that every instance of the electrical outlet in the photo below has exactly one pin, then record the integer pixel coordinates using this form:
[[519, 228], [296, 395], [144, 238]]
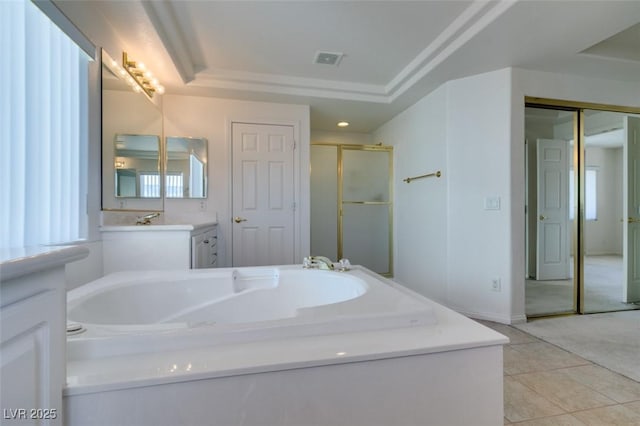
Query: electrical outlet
[[203, 206], [496, 285]]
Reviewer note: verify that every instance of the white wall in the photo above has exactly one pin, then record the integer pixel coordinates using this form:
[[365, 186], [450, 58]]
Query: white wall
[[448, 246], [419, 138], [479, 166], [211, 118]]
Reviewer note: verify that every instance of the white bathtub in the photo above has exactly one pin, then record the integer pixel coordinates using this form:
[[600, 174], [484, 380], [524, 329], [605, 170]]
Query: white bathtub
[[275, 346], [136, 312]]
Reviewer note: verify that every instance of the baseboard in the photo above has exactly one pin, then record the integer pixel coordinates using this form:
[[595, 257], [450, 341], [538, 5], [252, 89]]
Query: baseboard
[[486, 316]]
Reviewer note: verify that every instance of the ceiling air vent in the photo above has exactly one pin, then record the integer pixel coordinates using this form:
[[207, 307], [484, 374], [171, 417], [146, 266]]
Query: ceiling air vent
[[328, 58]]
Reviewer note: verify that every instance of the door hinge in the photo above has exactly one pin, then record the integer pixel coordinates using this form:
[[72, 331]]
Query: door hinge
[[293, 206], [294, 145]]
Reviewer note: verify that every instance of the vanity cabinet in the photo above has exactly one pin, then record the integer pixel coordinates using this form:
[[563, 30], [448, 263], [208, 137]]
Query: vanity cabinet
[[152, 247], [204, 249]]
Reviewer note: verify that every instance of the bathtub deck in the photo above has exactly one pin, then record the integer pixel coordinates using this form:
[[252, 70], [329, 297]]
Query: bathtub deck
[[415, 375], [452, 332]]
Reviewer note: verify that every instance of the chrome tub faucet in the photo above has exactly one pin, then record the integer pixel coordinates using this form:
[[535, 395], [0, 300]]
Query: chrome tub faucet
[[322, 262]]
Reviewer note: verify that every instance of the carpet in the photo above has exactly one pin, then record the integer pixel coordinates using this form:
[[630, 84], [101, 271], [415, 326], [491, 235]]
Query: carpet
[[611, 340]]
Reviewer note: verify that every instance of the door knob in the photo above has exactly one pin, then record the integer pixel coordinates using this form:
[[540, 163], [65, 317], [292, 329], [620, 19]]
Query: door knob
[[239, 219], [542, 217], [633, 220]]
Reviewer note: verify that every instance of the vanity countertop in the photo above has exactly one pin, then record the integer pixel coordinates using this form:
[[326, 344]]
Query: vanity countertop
[[157, 227], [20, 261]]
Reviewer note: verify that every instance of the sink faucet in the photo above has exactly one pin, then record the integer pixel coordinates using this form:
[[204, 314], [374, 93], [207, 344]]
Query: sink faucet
[[317, 262], [146, 219]]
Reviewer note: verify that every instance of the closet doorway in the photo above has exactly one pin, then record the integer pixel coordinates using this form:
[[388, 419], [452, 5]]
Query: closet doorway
[[351, 204], [582, 208]]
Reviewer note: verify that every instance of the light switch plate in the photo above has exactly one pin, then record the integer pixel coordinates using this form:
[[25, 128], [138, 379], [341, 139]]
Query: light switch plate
[[492, 203]]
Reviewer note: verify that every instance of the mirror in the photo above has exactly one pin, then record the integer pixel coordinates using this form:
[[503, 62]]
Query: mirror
[[137, 170], [186, 168], [131, 144]]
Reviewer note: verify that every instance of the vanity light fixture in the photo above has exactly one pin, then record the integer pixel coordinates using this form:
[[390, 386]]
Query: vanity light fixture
[[343, 123], [140, 78]]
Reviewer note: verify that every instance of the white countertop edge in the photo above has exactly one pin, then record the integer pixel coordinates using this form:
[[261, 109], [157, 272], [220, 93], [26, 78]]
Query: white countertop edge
[[157, 227], [230, 360], [17, 262]]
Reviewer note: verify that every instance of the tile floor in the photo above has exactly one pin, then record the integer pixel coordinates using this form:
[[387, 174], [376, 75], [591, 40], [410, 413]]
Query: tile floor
[[547, 386]]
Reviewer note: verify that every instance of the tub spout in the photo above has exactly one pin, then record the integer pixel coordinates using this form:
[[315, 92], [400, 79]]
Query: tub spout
[[317, 262], [146, 219]]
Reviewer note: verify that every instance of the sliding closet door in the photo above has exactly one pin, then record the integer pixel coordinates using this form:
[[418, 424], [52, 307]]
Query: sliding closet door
[[551, 167], [611, 211], [365, 202]]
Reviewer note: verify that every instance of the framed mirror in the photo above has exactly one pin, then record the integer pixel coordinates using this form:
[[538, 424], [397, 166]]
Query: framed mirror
[[186, 167], [131, 144]]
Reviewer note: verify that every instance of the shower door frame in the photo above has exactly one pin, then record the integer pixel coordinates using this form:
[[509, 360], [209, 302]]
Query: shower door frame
[[339, 195], [389, 203]]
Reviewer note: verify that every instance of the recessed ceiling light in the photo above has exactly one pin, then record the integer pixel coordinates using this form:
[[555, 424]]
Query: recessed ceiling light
[[343, 123]]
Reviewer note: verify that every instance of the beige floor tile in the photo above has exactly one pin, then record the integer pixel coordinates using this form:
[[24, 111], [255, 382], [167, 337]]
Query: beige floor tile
[[562, 420], [538, 356], [521, 403], [615, 386], [614, 415], [563, 391]]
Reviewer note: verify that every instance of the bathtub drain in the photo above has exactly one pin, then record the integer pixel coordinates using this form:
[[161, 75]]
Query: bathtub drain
[[75, 328]]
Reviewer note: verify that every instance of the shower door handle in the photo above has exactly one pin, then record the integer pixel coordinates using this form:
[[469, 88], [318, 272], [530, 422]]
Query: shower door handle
[[239, 219]]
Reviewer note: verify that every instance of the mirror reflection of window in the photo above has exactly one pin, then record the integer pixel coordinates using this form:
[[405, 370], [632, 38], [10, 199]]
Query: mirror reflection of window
[[149, 184], [174, 185]]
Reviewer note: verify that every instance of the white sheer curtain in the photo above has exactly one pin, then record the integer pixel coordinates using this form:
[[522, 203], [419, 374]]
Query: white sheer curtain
[[43, 130]]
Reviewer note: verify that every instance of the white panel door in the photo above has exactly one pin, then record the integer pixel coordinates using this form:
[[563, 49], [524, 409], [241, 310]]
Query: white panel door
[[262, 194], [631, 207], [553, 210]]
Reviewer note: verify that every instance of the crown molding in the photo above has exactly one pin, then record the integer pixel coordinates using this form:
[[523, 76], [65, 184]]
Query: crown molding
[[467, 25], [163, 19], [288, 85], [475, 18]]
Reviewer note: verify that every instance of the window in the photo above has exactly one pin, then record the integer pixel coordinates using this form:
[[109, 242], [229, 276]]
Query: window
[[43, 130]]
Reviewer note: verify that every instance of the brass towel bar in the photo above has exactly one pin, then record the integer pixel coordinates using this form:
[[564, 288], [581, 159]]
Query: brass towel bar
[[409, 179]]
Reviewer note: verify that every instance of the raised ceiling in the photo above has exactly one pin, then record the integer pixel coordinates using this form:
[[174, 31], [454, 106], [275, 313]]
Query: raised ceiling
[[395, 52]]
